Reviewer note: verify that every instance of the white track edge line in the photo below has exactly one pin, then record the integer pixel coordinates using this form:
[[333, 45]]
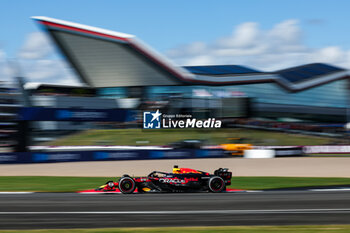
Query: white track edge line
[[272, 211], [16, 192]]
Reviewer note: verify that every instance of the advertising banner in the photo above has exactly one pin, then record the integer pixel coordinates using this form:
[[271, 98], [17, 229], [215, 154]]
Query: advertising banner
[[62, 114], [75, 156]]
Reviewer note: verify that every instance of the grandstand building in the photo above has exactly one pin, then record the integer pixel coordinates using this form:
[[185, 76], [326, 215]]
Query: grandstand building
[[118, 65], [9, 103]]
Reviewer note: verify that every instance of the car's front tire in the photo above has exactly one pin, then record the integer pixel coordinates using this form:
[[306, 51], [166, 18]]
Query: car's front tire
[[216, 184], [127, 185]]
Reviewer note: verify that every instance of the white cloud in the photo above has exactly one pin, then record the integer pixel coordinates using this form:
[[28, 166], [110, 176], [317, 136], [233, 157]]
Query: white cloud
[[2, 56], [4, 69], [36, 46], [332, 54], [245, 36], [280, 47], [48, 71], [39, 63]]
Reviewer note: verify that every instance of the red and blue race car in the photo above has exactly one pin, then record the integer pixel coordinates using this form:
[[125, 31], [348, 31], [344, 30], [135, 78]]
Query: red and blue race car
[[180, 180]]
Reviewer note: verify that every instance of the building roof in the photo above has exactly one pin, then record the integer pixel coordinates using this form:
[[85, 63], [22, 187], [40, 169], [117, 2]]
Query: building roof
[[307, 72], [104, 58], [217, 70]]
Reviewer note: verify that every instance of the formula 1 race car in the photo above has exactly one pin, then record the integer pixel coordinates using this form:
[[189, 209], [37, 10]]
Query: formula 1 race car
[[180, 180]]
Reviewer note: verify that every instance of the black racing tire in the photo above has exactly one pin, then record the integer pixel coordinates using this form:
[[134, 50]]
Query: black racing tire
[[127, 185], [216, 184]]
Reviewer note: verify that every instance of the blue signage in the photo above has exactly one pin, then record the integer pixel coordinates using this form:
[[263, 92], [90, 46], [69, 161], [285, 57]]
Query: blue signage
[[61, 114], [73, 156]]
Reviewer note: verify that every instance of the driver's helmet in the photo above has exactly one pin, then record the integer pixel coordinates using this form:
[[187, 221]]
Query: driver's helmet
[[110, 184], [176, 170]]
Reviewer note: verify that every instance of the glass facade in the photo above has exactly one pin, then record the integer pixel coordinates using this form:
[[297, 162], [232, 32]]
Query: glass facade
[[112, 92], [333, 94]]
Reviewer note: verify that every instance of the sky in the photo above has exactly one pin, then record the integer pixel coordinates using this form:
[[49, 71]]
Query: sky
[[263, 34]]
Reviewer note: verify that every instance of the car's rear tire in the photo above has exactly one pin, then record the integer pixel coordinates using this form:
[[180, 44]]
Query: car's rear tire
[[216, 184], [127, 185]]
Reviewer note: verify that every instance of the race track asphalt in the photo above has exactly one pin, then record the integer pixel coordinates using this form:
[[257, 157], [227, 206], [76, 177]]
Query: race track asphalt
[[71, 210]]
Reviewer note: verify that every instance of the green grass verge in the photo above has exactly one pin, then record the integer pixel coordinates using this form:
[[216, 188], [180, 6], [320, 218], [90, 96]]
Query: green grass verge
[[50, 183], [166, 136], [257, 183], [71, 184], [236, 229]]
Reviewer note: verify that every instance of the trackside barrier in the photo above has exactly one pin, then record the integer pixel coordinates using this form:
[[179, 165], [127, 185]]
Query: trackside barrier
[[284, 151], [76, 156], [64, 114], [327, 149], [259, 154]]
